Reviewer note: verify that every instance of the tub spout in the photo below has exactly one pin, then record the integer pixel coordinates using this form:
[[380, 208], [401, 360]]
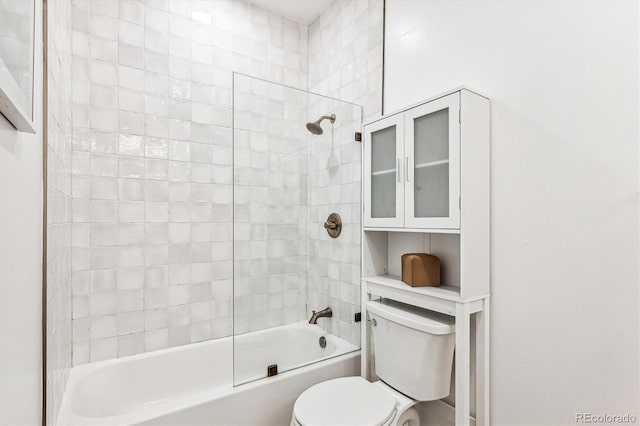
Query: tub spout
[[323, 313]]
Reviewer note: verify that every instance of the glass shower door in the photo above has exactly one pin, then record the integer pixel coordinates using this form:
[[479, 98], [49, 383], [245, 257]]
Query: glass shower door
[[286, 182]]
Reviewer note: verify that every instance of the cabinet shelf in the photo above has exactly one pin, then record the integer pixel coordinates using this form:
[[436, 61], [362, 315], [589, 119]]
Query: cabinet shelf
[[442, 299], [431, 164], [383, 172], [447, 292], [416, 230]]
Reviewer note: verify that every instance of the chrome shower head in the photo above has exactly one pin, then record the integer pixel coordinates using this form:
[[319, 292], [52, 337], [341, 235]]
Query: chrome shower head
[[315, 126]]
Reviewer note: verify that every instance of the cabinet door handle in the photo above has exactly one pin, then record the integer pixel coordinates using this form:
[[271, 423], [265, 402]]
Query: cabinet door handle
[[399, 170], [406, 168]]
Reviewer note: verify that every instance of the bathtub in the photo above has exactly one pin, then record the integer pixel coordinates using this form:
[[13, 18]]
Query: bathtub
[[193, 384]]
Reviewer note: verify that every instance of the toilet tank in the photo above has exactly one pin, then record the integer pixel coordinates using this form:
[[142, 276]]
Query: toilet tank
[[413, 348]]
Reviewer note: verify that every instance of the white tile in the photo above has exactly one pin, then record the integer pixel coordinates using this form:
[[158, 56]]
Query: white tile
[[130, 300], [131, 144], [131, 78], [102, 349], [130, 279], [131, 167], [156, 211], [156, 41], [131, 122], [156, 19], [130, 344], [104, 119], [130, 322], [130, 256], [104, 73], [104, 188], [157, 126], [156, 298], [103, 49], [103, 303], [156, 233], [156, 148], [129, 100], [131, 34], [103, 327], [131, 11], [131, 189], [180, 335], [156, 339], [131, 56], [131, 211], [103, 26], [155, 62], [156, 190], [156, 105]]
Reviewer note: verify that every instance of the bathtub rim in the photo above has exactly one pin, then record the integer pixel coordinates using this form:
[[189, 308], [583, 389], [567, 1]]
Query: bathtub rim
[[78, 373]]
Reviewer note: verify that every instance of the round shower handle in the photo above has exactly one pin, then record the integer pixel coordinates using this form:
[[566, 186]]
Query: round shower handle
[[333, 225]]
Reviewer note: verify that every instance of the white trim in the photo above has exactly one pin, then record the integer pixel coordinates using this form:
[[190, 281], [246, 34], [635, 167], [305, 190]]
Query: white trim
[[424, 101], [419, 230], [463, 365]]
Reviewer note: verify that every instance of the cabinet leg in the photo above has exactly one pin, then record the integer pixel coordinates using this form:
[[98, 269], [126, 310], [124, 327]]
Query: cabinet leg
[[463, 362], [482, 365], [364, 333]]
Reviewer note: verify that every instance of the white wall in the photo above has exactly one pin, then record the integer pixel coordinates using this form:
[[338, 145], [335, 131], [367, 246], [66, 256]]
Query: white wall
[[563, 79], [20, 266]]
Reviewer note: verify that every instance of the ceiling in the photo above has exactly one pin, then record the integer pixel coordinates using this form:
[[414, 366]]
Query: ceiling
[[303, 11]]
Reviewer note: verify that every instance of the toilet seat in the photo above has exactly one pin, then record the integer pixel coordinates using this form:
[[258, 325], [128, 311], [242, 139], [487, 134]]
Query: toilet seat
[[345, 401]]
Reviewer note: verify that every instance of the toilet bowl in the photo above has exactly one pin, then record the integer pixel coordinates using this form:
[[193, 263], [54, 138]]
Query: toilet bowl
[[414, 357], [353, 401]]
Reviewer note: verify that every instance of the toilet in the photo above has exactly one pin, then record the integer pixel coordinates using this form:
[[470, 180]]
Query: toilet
[[413, 350]]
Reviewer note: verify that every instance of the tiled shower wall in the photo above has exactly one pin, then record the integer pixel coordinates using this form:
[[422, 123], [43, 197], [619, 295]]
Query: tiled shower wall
[[270, 204], [345, 54], [152, 175], [59, 205], [345, 62]]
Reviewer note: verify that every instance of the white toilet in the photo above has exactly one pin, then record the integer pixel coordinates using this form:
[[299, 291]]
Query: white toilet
[[413, 350]]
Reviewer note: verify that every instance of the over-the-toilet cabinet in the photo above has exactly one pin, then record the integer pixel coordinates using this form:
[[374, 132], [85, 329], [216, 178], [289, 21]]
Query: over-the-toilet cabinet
[[426, 181], [412, 164]]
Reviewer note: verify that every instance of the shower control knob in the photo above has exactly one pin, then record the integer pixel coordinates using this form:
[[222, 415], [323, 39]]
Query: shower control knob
[[333, 225]]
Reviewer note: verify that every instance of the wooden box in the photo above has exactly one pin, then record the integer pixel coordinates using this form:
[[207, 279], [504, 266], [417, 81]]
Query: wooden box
[[420, 269]]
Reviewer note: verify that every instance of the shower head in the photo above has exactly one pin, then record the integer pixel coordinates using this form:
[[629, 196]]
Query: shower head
[[315, 126]]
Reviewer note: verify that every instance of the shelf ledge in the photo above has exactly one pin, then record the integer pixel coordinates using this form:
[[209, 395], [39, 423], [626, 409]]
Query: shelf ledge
[[394, 286], [420, 230]]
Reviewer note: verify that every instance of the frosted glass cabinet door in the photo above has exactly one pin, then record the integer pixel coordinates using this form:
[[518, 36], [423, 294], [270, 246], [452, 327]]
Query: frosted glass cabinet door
[[432, 158], [383, 173]]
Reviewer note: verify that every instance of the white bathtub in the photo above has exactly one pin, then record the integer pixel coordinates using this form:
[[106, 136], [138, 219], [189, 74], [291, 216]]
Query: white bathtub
[[193, 384]]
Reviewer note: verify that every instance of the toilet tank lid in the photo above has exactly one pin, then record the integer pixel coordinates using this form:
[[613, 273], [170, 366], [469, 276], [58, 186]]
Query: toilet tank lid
[[412, 316]]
